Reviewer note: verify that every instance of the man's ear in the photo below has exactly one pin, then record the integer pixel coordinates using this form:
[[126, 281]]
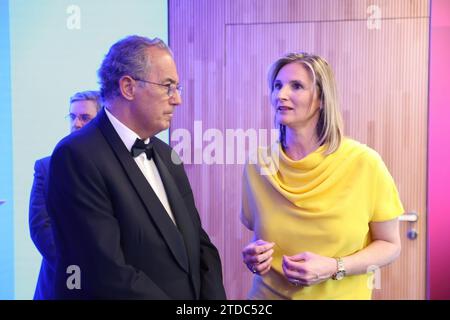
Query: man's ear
[[127, 87]]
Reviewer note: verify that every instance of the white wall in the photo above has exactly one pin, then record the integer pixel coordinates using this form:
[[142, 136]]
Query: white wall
[[50, 60]]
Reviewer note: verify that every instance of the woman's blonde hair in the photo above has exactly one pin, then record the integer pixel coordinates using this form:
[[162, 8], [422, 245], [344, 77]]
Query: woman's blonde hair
[[329, 126]]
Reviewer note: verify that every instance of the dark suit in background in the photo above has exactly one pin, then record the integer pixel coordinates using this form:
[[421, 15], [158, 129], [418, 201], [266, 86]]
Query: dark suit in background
[[41, 230], [83, 108]]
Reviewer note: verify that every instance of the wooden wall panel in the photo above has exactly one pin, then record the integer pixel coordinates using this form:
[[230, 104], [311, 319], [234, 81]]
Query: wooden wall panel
[[382, 80], [286, 11], [194, 25]]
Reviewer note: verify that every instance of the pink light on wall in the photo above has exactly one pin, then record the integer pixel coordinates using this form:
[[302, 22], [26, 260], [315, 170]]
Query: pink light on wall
[[439, 153]]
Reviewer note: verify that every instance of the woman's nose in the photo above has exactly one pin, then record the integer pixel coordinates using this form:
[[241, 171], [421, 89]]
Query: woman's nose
[[282, 94]]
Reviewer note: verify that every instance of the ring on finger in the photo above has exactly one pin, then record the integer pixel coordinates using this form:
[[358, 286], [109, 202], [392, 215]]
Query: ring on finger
[[251, 267], [295, 282]]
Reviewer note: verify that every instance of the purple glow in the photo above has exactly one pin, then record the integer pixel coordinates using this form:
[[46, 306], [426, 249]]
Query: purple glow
[[439, 153]]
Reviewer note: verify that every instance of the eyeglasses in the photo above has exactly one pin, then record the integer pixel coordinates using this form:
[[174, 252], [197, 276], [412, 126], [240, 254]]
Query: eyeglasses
[[82, 117], [171, 87]]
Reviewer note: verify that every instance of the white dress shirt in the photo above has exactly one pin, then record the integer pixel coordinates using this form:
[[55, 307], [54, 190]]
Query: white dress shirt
[[148, 167]]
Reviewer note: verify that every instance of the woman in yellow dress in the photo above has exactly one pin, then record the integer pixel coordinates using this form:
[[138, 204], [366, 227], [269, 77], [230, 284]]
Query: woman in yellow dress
[[327, 216]]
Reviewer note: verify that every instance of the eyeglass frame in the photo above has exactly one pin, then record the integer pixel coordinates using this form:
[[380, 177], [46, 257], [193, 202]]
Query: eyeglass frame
[[84, 117], [171, 87]]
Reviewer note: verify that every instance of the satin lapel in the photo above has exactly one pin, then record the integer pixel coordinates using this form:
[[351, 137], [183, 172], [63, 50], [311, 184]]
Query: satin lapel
[[155, 209], [182, 215]]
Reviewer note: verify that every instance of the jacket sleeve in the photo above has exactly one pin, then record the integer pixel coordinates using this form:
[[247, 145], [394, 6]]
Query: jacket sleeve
[[211, 270], [210, 265], [39, 220]]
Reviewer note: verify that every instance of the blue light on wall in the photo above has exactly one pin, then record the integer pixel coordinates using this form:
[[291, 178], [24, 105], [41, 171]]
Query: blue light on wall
[[6, 209], [49, 50]]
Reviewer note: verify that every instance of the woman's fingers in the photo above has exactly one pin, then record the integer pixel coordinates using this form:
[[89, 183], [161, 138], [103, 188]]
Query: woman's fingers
[[258, 247], [258, 256], [261, 257], [298, 273], [251, 252], [264, 267]]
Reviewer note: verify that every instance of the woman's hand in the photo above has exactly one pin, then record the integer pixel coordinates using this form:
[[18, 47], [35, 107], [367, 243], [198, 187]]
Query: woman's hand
[[257, 256], [307, 268]]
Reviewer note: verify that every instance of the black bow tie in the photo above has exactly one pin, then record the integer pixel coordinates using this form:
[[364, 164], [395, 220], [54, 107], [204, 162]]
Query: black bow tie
[[140, 146]]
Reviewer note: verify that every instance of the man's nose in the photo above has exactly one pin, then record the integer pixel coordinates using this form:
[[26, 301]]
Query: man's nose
[[176, 98], [77, 124]]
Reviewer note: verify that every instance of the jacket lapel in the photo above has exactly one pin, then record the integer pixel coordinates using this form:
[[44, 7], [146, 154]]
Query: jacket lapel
[[182, 215], [155, 209]]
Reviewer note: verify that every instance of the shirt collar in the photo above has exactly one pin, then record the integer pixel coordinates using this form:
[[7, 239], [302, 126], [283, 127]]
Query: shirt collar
[[127, 135]]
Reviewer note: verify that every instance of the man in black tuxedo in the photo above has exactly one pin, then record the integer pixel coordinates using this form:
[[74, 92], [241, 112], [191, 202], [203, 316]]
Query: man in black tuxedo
[[83, 108], [125, 221]]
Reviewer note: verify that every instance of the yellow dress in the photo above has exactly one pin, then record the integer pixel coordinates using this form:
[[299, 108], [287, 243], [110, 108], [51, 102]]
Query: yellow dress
[[322, 204]]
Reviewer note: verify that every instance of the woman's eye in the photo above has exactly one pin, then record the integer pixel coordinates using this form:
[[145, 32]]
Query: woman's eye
[[297, 86], [277, 86]]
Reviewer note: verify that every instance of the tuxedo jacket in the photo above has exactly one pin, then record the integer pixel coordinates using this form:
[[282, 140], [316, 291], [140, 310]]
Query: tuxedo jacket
[[41, 230], [114, 239]]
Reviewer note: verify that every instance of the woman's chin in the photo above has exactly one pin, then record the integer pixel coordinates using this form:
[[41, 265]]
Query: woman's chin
[[284, 121]]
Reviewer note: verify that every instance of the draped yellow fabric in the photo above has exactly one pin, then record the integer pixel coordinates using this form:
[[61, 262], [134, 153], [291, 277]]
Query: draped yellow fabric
[[322, 204]]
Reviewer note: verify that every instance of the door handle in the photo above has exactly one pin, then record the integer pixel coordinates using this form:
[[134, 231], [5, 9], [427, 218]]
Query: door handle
[[409, 217]]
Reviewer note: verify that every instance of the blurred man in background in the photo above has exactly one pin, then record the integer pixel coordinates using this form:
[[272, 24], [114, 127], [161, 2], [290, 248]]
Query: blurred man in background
[[83, 108]]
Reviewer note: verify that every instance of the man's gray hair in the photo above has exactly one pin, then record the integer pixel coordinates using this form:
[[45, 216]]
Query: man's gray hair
[[127, 57], [88, 95]]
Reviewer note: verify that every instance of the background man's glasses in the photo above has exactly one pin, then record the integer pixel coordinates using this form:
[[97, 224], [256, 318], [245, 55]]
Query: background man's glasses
[[84, 118], [171, 87]]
